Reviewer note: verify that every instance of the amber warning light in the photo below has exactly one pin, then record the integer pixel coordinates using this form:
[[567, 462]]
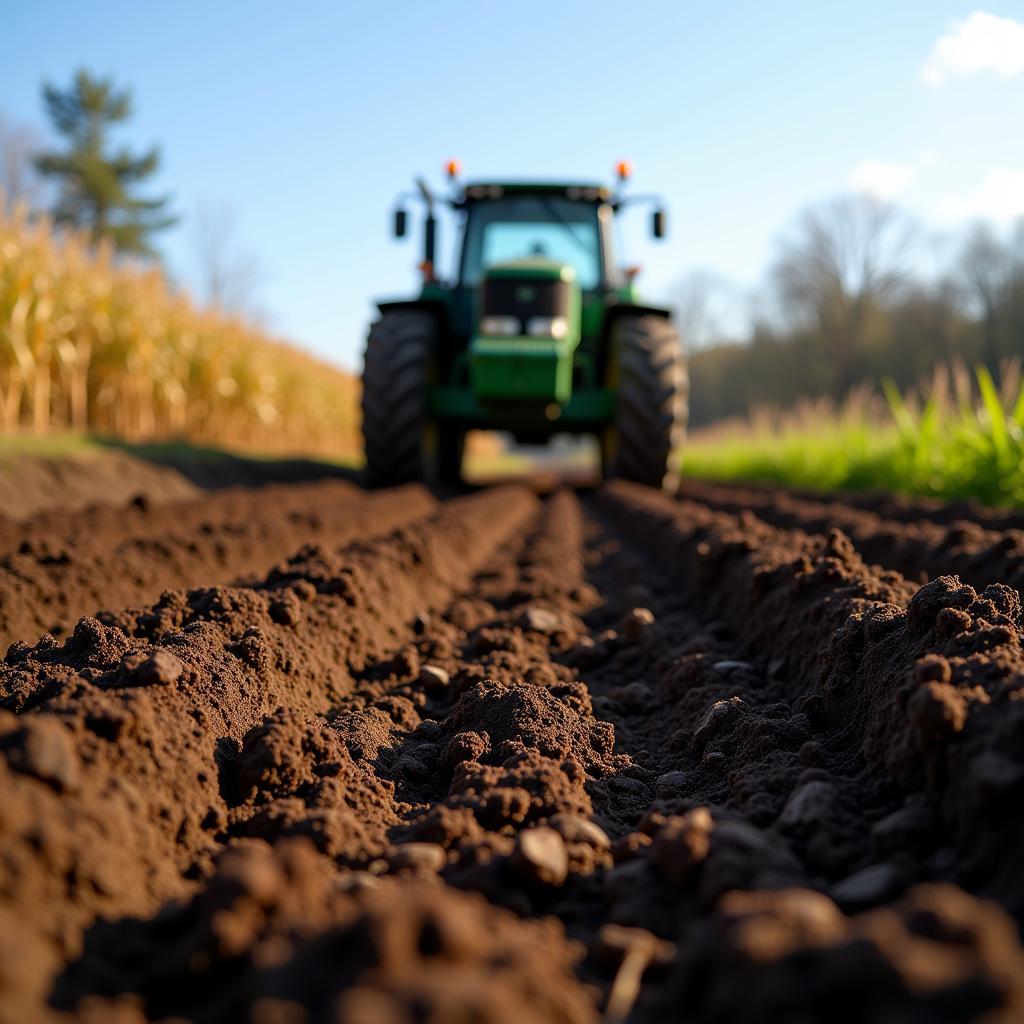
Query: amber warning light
[[453, 168], [624, 169]]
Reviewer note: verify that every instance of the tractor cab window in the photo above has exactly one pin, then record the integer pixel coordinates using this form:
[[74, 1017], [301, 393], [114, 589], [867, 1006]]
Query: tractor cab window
[[521, 227]]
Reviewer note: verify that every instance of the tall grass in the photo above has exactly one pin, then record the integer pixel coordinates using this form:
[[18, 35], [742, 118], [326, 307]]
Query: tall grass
[[88, 342], [959, 436]]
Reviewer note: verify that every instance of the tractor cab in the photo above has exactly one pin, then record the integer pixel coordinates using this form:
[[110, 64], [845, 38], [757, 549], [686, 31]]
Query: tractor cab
[[526, 338], [533, 258]]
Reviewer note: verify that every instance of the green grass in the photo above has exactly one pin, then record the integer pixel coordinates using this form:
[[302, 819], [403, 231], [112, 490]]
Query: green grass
[[968, 447], [48, 445]]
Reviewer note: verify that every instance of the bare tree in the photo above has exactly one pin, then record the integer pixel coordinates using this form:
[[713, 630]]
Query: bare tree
[[229, 275], [702, 301], [843, 262], [19, 181], [985, 270]]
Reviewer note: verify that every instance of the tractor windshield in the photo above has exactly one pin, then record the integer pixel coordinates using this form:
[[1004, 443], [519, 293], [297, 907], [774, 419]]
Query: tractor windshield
[[519, 227]]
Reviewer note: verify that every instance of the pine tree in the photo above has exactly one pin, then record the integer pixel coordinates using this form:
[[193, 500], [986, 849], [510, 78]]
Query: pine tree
[[97, 184]]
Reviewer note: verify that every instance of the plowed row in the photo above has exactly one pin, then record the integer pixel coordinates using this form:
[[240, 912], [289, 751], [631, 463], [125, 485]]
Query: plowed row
[[614, 756]]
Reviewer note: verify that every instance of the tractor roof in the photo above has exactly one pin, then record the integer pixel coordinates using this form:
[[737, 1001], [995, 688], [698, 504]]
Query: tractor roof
[[585, 191]]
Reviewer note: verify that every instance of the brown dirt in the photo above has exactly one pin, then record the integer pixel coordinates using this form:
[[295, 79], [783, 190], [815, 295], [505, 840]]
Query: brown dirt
[[30, 484], [615, 756]]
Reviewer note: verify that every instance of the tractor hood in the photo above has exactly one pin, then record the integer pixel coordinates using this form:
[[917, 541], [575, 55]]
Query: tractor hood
[[526, 289], [527, 331]]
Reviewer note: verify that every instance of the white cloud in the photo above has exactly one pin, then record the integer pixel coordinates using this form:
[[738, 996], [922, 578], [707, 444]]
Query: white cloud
[[981, 42], [880, 178], [1000, 197]]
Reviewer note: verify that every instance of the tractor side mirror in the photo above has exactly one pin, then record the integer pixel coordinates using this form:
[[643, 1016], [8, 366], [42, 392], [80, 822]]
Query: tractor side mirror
[[658, 223], [400, 219]]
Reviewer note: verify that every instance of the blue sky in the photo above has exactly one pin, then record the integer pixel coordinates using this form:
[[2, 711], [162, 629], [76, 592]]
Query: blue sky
[[308, 118]]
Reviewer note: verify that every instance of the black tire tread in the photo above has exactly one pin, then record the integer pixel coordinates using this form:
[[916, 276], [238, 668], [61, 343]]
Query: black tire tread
[[653, 400], [394, 402]]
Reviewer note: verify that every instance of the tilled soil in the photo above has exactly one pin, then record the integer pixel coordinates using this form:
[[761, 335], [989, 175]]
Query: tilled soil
[[613, 756], [61, 565]]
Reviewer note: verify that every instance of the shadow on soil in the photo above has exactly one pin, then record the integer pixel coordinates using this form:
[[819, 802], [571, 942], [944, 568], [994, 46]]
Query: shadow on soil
[[213, 468]]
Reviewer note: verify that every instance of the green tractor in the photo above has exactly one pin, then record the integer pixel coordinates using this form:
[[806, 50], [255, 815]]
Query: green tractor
[[540, 334]]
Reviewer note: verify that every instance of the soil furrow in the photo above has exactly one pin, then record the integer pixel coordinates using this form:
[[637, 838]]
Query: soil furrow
[[921, 550], [527, 761], [928, 696], [66, 566], [120, 757], [898, 508]]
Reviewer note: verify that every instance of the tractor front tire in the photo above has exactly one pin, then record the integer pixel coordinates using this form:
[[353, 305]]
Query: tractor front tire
[[396, 434], [649, 373]]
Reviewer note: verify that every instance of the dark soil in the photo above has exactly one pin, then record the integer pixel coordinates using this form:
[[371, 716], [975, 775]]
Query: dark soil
[[30, 484], [728, 757]]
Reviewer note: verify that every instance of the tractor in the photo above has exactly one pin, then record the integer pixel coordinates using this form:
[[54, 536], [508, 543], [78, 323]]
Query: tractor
[[540, 333]]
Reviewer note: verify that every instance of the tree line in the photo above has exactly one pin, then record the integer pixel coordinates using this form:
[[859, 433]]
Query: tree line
[[846, 303]]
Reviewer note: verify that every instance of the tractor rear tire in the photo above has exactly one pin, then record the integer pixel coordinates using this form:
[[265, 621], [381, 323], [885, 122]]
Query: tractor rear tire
[[649, 372], [396, 437]]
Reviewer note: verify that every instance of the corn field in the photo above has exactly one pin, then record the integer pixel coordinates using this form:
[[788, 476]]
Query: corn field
[[90, 343]]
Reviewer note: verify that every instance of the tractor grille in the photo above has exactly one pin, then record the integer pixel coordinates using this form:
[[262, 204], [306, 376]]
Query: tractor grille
[[526, 298]]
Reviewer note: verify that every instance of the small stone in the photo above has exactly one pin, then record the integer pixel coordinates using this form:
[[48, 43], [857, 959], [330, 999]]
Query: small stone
[[724, 667], [635, 696], [433, 677], [867, 886], [540, 855], [907, 827], [574, 828], [635, 624], [671, 784], [539, 620], [359, 881], [419, 857], [808, 805], [44, 750], [717, 719], [161, 668]]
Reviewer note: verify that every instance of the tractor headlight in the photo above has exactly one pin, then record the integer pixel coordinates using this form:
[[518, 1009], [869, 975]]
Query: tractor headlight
[[547, 327], [501, 326]]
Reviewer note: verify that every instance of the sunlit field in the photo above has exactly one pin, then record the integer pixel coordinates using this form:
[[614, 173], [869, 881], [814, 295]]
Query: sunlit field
[[91, 342], [960, 436]]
